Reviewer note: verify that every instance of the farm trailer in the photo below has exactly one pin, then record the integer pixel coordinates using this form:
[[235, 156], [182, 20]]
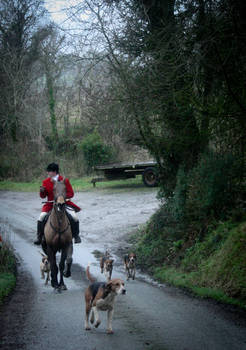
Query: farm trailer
[[120, 171]]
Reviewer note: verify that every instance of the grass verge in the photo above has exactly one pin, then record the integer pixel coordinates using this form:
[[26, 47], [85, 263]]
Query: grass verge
[[82, 184], [7, 270], [211, 267], [186, 281]]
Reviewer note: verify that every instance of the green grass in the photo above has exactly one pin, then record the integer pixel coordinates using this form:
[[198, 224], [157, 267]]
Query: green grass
[[81, 184], [7, 284], [19, 186], [177, 278], [7, 271], [212, 268]]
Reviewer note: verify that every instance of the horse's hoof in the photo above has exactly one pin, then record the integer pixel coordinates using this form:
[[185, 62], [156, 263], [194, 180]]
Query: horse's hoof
[[67, 274], [63, 287], [57, 290]]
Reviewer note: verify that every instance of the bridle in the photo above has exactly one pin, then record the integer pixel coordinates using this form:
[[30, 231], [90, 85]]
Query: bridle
[[59, 208], [58, 230]]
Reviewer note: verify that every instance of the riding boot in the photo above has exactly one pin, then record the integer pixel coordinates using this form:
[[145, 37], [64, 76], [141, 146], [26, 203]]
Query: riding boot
[[75, 231], [67, 272], [40, 232]]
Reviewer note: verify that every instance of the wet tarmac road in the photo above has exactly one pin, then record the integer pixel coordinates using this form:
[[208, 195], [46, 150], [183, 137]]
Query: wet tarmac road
[[149, 316]]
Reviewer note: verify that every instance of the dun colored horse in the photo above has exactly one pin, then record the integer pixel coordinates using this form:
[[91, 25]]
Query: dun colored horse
[[58, 235]]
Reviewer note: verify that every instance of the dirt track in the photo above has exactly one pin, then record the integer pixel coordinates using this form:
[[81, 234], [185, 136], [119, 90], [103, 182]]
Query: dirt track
[[148, 317]]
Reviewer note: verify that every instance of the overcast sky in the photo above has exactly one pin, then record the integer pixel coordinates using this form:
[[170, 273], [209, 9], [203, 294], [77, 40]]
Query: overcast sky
[[56, 9]]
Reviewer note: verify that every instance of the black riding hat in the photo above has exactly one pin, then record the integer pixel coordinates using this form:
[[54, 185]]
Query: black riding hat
[[53, 167]]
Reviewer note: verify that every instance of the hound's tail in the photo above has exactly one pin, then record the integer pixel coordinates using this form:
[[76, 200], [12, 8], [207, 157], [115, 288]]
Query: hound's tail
[[43, 255], [88, 275]]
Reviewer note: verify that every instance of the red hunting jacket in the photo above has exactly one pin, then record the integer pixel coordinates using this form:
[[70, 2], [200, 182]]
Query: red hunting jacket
[[48, 185]]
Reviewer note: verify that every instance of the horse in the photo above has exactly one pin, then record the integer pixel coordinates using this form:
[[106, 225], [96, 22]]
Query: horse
[[58, 235]]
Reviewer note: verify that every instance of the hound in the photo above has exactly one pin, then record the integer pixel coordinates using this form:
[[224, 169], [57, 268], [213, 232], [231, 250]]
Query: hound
[[106, 265], [101, 296], [130, 265], [45, 268]]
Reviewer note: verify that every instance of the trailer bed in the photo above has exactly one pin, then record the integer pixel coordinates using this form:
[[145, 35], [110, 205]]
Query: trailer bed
[[120, 171]]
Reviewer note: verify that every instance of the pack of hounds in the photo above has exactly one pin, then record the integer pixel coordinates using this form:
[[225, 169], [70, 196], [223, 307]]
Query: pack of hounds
[[100, 296]]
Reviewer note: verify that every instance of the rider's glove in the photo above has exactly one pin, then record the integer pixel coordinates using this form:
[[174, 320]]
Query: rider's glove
[[42, 189]]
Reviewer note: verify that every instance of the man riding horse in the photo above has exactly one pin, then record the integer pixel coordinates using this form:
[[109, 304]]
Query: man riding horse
[[46, 190]]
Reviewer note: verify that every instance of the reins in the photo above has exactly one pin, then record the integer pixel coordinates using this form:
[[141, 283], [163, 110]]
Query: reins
[[58, 230]]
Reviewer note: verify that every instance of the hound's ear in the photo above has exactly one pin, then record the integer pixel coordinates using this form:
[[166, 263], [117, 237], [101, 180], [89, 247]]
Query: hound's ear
[[112, 260], [109, 285]]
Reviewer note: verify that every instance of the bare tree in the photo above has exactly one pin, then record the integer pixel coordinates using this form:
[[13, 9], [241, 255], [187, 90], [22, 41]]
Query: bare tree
[[17, 52]]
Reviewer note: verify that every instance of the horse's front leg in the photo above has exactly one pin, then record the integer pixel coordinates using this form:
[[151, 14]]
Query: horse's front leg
[[61, 268], [69, 260], [53, 267]]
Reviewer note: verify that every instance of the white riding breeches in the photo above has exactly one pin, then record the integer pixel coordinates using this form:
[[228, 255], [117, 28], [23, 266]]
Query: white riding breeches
[[70, 211], [42, 216]]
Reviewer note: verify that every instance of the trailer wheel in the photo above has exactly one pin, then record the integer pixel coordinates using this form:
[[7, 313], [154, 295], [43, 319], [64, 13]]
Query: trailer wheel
[[150, 177]]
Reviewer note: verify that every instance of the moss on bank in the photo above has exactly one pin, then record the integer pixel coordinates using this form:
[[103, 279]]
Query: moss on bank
[[213, 267]]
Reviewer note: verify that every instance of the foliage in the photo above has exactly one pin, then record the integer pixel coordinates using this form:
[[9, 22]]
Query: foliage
[[211, 189], [62, 144], [7, 271], [95, 151], [187, 281], [160, 236], [212, 267], [185, 99], [19, 44]]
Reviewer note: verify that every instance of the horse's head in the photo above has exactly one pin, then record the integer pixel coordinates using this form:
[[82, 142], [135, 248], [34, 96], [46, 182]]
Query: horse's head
[[59, 191]]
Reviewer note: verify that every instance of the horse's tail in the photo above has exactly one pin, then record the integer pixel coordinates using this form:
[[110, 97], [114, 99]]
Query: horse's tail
[[88, 275]]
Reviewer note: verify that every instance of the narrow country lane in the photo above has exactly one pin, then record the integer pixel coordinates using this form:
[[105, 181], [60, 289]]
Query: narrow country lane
[[149, 316]]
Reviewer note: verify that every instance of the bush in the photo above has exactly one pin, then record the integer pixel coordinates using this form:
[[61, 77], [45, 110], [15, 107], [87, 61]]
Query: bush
[[7, 259], [160, 238], [203, 195], [209, 190], [5, 168], [62, 145], [95, 151]]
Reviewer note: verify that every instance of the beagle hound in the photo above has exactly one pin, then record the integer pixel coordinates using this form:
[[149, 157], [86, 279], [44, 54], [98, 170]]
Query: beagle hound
[[45, 268], [106, 265], [101, 296], [130, 265]]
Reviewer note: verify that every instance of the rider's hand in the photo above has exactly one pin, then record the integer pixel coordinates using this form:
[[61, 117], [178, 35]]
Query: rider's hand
[[42, 189]]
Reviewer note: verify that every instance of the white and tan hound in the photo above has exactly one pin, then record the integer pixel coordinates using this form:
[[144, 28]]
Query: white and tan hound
[[106, 265], [45, 268], [101, 296], [130, 265]]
